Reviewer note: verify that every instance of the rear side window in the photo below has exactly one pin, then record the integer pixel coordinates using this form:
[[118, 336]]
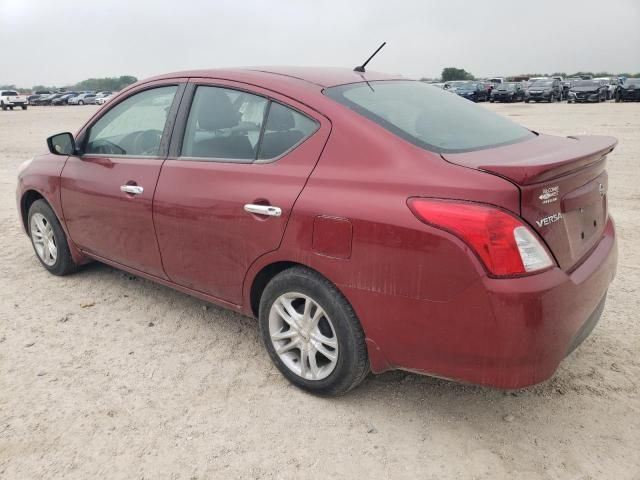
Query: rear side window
[[429, 117], [224, 123], [237, 126], [285, 128]]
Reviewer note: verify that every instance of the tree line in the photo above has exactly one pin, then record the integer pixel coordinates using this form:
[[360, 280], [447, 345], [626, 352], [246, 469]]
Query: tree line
[[96, 84]]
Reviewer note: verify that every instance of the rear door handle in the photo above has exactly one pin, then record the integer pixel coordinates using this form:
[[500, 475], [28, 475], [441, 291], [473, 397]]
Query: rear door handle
[[132, 189], [263, 210]]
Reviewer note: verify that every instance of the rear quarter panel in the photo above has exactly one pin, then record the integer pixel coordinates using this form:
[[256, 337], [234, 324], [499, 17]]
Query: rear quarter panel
[[365, 176]]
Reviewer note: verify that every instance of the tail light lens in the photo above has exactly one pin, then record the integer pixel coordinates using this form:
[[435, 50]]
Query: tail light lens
[[504, 244]]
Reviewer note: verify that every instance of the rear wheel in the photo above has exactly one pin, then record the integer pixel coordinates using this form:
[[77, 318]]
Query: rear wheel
[[312, 333], [4, 107], [24, 107], [48, 239]]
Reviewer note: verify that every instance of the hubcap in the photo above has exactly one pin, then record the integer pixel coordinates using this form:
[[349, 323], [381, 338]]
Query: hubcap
[[43, 239], [303, 336]]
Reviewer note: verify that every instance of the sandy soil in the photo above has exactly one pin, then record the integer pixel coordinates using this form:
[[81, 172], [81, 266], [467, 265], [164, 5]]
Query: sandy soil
[[103, 375]]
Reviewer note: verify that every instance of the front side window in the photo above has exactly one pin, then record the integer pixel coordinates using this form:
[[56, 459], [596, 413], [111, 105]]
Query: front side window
[[238, 126], [428, 117], [133, 127]]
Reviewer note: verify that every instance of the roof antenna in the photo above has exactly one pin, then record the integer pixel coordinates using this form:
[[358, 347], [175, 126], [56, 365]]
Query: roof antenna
[[361, 67]]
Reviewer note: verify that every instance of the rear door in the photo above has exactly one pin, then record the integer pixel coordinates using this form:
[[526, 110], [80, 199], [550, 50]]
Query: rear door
[[239, 158], [107, 191]]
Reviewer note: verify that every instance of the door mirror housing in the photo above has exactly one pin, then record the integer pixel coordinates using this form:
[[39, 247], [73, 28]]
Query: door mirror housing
[[62, 144]]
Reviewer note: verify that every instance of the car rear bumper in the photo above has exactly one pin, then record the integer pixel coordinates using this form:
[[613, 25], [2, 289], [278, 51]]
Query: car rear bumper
[[506, 333]]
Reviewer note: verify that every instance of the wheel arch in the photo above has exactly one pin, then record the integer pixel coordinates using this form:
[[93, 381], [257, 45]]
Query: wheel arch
[[264, 276], [28, 198]]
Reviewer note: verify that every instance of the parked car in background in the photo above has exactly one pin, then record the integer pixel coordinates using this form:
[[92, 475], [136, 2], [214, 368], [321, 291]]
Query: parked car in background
[[471, 90], [611, 84], [48, 99], [83, 99], [102, 100], [628, 91], [37, 94], [104, 93], [497, 80], [10, 99], [545, 90], [454, 243], [63, 99], [583, 91], [507, 92]]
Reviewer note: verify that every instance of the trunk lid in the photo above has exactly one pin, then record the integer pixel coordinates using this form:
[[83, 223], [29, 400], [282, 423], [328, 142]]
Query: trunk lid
[[563, 185]]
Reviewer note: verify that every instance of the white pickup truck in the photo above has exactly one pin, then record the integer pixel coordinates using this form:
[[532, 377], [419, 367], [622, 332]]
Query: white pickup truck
[[11, 98]]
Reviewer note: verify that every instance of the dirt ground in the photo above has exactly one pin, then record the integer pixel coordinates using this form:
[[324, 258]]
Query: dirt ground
[[103, 375]]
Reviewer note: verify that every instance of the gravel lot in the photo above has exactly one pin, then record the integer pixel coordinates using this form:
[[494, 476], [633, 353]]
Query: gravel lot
[[103, 375]]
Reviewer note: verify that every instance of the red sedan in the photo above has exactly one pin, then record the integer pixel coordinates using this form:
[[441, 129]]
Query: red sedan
[[369, 222]]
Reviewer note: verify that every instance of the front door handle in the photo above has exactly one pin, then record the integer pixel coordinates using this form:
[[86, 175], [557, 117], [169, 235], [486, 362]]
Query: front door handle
[[132, 189], [263, 210]]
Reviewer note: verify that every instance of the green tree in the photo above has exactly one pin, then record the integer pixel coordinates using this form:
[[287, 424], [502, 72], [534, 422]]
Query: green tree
[[453, 73]]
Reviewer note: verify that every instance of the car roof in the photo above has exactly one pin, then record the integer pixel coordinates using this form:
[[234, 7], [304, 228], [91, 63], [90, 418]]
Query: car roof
[[272, 76]]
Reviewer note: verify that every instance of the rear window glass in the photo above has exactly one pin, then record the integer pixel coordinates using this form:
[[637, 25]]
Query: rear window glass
[[429, 117], [285, 128], [10, 93]]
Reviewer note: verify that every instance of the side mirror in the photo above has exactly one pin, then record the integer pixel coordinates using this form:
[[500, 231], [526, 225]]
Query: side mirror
[[62, 144]]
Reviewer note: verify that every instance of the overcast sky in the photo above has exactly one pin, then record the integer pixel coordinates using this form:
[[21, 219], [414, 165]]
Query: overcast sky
[[64, 41]]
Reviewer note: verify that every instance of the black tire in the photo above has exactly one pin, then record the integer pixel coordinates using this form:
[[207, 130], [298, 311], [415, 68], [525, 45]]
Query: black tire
[[526, 101], [24, 107], [4, 107], [491, 100], [352, 364], [64, 263], [80, 102]]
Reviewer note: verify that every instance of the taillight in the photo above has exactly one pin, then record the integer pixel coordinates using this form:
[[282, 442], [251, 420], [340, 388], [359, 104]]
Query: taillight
[[506, 246]]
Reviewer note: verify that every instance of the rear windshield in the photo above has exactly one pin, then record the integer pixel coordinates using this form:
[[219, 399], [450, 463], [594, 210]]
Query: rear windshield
[[585, 83], [10, 93], [427, 116]]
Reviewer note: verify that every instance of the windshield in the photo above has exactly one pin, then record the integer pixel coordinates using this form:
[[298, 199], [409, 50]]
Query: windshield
[[466, 86], [585, 83], [427, 116], [632, 81], [542, 83], [507, 86]]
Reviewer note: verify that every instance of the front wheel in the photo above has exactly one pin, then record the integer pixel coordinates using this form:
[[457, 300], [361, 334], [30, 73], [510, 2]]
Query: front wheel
[[48, 239], [24, 107], [312, 333]]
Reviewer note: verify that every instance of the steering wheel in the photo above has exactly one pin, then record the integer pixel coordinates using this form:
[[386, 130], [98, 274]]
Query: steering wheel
[[147, 142]]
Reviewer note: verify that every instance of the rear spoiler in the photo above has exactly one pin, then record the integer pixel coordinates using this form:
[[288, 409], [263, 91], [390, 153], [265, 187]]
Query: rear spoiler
[[540, 159]]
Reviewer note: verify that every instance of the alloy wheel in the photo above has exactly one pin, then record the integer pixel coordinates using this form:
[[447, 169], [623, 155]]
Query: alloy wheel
[[43, 239], [303, 336]]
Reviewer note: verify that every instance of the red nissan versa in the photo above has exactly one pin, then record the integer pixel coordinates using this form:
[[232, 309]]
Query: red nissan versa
[[369, 222]]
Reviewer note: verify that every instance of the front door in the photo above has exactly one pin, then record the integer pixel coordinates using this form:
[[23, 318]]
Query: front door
[[107, 191], [224, 196]]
